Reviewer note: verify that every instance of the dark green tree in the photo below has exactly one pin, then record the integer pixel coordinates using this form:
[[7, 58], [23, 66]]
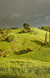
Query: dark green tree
[[26, 26], [10, 38]]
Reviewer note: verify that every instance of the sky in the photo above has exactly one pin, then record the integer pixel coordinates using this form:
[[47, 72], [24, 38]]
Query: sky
[[14, 13]]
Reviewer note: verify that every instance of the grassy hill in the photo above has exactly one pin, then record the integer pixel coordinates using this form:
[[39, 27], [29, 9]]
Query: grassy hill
[[20, 64]]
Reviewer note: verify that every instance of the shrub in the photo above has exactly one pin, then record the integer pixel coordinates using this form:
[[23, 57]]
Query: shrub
[[0, 35], [1, 31], [25, 31], [10, 38], [4, 28], [2, 39], [4, 35]]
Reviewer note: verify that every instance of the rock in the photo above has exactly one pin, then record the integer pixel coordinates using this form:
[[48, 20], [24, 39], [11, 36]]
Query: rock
[[7, 55], [15, 50], [3, 52], [6, 51], [9, 51]]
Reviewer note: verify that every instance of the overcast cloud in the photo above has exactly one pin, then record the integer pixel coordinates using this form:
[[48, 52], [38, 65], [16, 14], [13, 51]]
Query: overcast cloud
[[14, 13]]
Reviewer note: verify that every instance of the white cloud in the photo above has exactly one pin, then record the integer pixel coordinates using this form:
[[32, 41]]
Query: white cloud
[[47, 18], [16, 15], [38, 20]]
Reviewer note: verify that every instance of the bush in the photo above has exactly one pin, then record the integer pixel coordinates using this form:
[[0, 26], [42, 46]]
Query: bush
[[10, 38], [5, 28], [25, 31], [2, 39]]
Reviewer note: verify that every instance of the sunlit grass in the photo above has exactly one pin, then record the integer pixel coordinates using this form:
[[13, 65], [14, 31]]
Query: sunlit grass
[[32, 64], [24, 69]]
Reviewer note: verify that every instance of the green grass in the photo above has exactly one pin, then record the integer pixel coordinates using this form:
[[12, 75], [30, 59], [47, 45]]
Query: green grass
[[38, 60], [4, 45], [24, 69]]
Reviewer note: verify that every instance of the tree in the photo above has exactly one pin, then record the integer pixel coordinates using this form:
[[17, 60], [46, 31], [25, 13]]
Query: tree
[[10, 38], [26, 26], [4, 28]]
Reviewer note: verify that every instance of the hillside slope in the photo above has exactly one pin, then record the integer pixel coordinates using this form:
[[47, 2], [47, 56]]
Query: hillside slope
[[29, 56], [34, 41]]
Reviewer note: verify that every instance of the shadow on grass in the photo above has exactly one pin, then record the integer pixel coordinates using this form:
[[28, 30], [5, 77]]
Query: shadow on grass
[[23, 52], [21, 32], [38, 42], [6, 76], [14, 28]]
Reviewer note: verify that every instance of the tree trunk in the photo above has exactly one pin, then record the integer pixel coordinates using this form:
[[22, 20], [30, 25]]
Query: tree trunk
[[49, 38], [46, 38]]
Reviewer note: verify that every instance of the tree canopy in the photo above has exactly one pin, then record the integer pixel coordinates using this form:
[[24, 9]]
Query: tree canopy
[[26, 26]]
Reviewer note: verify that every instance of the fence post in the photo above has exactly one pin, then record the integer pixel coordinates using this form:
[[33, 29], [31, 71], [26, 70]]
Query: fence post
[[49, 38], [46, 38]]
